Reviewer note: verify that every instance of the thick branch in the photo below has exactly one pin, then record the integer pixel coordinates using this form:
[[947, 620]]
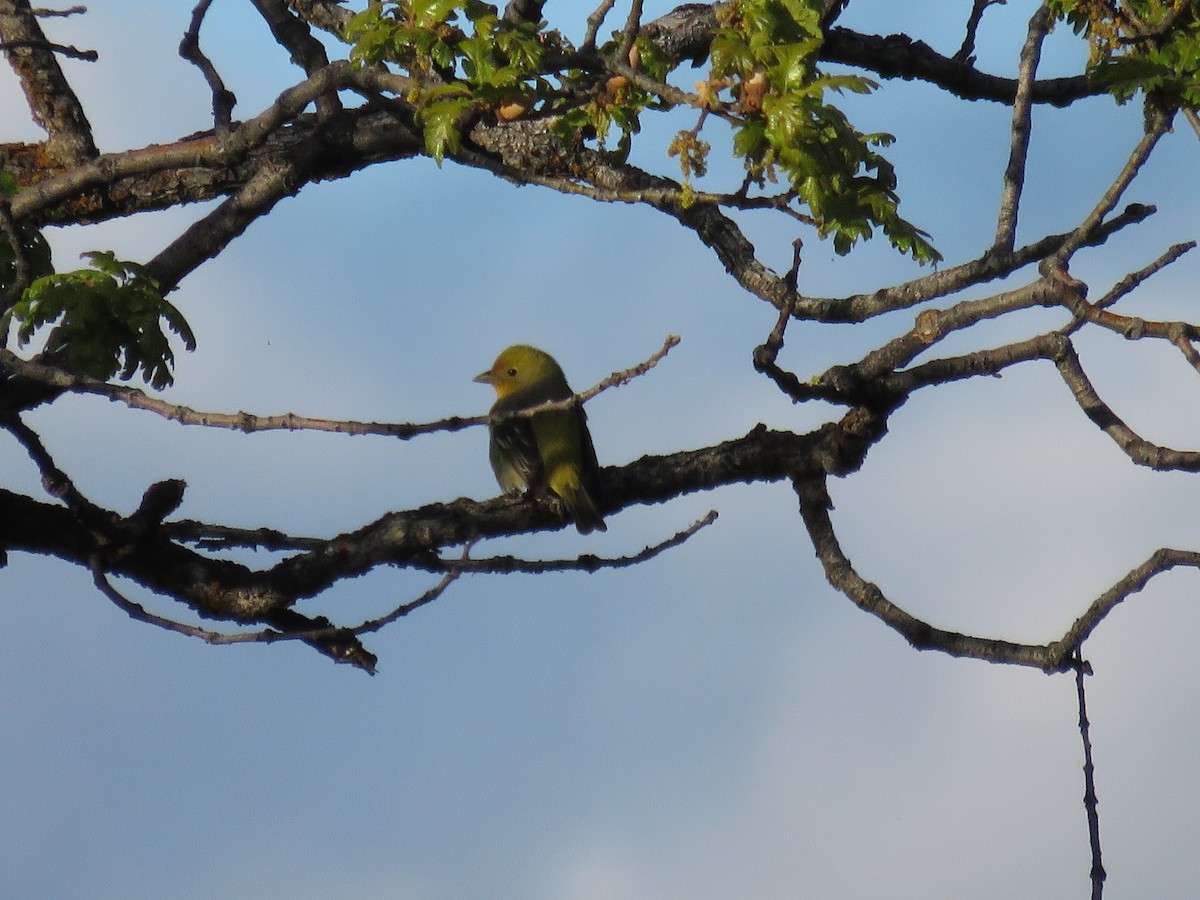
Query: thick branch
[[207, 166], [51, 100], [899, 56], [224, 590]]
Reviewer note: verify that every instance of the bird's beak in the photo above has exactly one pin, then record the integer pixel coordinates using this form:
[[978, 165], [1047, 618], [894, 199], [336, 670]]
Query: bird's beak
[[488, 377]]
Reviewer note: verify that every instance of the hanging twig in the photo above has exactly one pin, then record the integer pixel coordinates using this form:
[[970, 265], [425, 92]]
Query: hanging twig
[[1090, 802]]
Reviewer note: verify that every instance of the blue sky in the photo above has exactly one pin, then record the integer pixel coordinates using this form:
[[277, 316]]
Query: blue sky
[[718, 722]]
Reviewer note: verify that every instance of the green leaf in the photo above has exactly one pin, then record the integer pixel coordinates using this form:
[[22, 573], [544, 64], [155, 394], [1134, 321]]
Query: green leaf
[[105, 321], [428, 13], [440, 120]]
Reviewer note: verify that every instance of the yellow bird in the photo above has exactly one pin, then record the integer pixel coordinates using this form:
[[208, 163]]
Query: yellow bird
[[551, 449]]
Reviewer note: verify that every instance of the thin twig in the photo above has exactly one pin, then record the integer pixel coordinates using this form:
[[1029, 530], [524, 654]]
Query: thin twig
[[239, 421], [1077, 238], [404, 609], [1132, 327], [223, 100], [67, 50], [1134, 279], [766, 354], [43, 13], [587, 562], [248, 422], [1159, 562], [266, 635], [594, 21], [815, 504], [1090, 802], [1122, 288], [55, 481], [966, 51], [624, 376], [1188, 349], [140, 613], [292, 33], [1193, 119]]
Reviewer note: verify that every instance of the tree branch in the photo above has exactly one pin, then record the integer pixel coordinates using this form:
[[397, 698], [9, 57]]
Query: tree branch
[[223, 99], [1139, 450], [587, 562], [51, 100], [1090, 801], [899, 56], [1014, 172], [306, 51]]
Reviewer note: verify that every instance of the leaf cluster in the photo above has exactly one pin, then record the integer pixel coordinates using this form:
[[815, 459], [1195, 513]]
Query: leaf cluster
[[107, 320], [490, 65], [1150, 46], [765, 53], [464, 57]]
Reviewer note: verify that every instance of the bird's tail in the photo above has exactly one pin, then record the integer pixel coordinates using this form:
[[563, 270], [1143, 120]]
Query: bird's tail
[[579, 504]]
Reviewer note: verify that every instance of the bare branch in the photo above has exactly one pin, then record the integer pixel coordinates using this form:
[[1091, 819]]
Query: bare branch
[[67, 50], [1139, 450], [1090, 801], [204, 239], [814, 509], [966, 53], [43, 13], [141, 614], [55, 481], [51, 100], [989, 267], [594, 21], [239, 421], [970, 365], [1014, 173], [249, 422], [205, 151], [223, 100], [1160, 561], [1193, 120], [899, 56], [1160, 123], [404, 609], [339, 644], [1132, 327], [292, 33], [1134, 279], [588, 562]]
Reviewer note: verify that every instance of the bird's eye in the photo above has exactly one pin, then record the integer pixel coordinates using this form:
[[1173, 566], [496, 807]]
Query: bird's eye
[[512, 373]]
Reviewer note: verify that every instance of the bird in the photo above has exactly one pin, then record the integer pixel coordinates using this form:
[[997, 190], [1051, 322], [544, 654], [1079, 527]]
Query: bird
[[551, 449]]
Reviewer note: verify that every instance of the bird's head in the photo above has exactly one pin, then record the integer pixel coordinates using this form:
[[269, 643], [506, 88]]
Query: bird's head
[[520, 367]]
